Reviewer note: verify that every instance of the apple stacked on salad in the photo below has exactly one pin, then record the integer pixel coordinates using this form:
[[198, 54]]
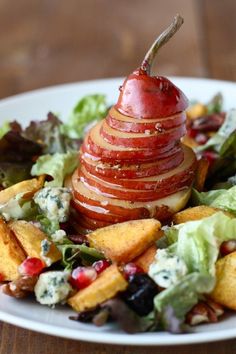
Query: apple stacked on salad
[[133, 164]]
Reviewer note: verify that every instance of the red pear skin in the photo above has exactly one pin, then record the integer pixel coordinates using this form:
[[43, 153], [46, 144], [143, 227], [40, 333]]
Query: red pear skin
[[144, 96], [133, 161]]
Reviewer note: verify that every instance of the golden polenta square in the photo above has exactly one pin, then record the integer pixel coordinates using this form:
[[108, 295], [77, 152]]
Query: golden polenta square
[[146, 258], [30, 238], [195, 213], [123, 242], [11, 253], [224, 292], [105, 287]]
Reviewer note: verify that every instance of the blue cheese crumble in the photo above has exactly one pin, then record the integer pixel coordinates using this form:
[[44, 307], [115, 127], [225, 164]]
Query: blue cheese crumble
[[45, 248], [59, 236], [167, 269], [52, 287], [54, 202]]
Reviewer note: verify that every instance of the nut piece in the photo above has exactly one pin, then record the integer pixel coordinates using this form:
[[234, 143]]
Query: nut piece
[[21, 287], [204, 312], [217, 308]]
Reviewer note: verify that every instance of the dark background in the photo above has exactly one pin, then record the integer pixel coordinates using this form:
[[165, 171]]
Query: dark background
[[48, 42]]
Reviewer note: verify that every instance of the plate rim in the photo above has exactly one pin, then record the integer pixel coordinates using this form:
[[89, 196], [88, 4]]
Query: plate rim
[[139, 339], [153, 339]]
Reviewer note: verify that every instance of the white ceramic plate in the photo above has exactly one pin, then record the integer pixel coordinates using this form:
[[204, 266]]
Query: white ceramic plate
[[29, 314]]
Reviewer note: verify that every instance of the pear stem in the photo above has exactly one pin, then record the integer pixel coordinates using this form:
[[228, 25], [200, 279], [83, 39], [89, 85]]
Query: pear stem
[[159, 42]]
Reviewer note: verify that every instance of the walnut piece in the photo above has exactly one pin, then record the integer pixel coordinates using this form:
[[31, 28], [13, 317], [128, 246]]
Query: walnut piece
[[204, 312], [20, 287]]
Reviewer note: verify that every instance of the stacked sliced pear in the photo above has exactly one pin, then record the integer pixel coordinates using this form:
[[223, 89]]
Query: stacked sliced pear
[[133, 164]]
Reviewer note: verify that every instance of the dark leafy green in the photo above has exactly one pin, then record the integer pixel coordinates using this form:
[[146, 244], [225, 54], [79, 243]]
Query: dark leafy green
[[48, 134], [20, 147], [215, 105], [170, 322], [11, 173], [71, 253], [127, 319], [17, 156], [15, 148], [224, 144], [47, 225], [228, 148]]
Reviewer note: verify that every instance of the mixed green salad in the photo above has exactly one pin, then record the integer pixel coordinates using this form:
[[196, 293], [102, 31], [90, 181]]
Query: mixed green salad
[[183, 270]]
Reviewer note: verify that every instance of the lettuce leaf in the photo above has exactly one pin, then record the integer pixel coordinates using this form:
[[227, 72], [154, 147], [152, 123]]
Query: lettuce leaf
[[182, 296], [197, 243], [205, 198], [57, 166], [89, 109], [222, 198], [5, 127], [219, 139]]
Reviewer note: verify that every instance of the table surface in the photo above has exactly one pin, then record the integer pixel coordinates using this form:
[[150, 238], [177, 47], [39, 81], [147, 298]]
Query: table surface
[[51, 42]]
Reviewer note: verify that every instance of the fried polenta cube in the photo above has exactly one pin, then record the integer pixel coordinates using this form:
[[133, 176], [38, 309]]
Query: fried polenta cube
[[224, 292], [11, 253], [30, 238], [27, 188], [105, 287], [196, 110], [201, 174], [123, 242], [196, 213], [190, 142], [146, 258]]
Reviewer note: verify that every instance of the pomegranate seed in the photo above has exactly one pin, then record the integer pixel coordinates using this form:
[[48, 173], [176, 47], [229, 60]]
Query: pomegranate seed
[[1, 277], [82, 277], [31, 266], [101, 265], [192, 133], [131, 269], [201, 138], [227, 247], [211, 156], [64, 225]]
